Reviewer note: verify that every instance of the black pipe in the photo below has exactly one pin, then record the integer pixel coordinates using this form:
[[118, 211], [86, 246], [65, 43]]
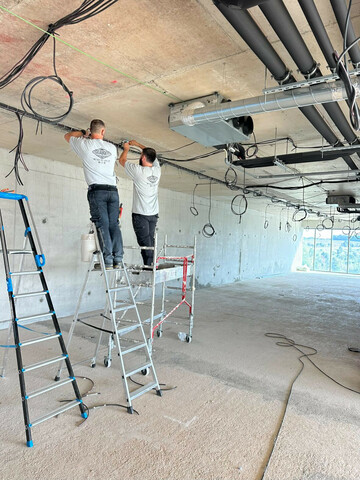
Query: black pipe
[[340, 10], [282, 23], [246, 27], [314, 20]]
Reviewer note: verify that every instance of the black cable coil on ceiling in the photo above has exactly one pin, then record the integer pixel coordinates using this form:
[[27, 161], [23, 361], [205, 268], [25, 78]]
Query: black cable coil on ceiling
[[87, 9]]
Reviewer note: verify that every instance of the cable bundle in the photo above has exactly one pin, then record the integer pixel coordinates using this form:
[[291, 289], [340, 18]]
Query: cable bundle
[[18, 152], [87, 9]]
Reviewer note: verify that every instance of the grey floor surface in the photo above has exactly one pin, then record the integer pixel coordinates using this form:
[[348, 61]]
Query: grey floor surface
[[232, 382]]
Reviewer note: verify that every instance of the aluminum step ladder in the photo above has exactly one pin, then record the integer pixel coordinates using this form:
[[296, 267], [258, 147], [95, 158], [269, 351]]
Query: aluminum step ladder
[[19, 323], [120, 327]]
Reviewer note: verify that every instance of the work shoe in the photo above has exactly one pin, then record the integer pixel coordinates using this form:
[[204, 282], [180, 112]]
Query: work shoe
[[97, 266], [117, 266]]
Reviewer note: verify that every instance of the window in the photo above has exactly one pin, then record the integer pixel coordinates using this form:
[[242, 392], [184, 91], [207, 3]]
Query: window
[[328, 250]]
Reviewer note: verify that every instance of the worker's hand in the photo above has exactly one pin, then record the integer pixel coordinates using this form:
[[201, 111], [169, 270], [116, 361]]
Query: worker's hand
[[134, 143], [126, 146]]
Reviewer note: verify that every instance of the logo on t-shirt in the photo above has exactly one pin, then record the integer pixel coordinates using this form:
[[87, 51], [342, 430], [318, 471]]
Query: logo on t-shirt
[[101, 153], [152, 179]]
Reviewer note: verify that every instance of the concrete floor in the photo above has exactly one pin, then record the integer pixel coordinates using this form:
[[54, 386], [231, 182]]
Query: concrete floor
[[232, 381]]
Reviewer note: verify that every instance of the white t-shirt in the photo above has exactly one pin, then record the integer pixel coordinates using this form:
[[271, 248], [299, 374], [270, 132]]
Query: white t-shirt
[[98, 159], [145, 190]]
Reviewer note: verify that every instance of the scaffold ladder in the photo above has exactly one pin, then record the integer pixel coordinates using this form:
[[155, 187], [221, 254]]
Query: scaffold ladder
[[20, 322], [121, 329]]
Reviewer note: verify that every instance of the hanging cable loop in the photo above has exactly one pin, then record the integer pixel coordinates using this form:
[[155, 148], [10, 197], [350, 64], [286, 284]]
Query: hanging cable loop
[[299, 215], [328, 223], [240, 211]]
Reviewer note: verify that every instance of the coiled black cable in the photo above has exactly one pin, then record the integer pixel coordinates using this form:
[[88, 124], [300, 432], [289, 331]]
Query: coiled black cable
[[208, 229], [87, 9], [26, 102]]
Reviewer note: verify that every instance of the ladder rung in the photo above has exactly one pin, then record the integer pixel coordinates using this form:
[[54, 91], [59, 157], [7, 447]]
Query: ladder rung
[[124, 330], [137, 370], [43, 364], [39, 339], [121, 309], [117, 289], [33, 317], [30, 294], [66, 407], [33, 272], [19, 252], [49, 387], [132, 349], [139, 391]]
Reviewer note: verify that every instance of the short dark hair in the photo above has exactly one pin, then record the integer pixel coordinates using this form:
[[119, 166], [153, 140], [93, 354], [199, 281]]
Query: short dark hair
[[150, 154], [96, 125]]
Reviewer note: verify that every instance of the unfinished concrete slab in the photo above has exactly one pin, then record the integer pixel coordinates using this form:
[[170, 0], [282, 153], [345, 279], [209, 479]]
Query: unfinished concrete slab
[[231, 386]]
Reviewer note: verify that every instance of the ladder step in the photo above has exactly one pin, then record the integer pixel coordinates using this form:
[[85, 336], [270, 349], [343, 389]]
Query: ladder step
[[137, 370], [121, 309], [19, 252], [30, 294], [53, 386], [117, 289], [66, 407], [43, 364], [33, 272], [39, 339], [139, 391], [33, 317], [133, 349], [125, 330]]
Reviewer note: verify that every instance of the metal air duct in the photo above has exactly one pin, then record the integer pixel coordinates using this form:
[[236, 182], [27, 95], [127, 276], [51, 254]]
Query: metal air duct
[[315, 94]]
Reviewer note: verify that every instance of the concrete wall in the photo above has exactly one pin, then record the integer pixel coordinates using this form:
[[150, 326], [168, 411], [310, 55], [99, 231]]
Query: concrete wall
[[57, 195]]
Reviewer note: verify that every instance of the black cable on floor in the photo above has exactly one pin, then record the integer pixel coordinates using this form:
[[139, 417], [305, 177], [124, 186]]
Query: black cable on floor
[[161, 384], [288, 342]]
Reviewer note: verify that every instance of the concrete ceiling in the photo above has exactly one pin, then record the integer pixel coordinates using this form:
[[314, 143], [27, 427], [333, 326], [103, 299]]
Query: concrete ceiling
[[128, 63]]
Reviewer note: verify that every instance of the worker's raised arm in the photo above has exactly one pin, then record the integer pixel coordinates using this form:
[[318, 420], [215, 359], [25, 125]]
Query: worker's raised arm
[[80, 133], [136, 144], [123, 156]]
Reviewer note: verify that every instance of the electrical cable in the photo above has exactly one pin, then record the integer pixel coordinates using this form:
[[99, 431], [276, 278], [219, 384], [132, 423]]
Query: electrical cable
[[131, 77], [231, 183], [191, 159], [193, 209], [26, 101], [86, 10], [242, 198], [208, 230], [175, 149], [288, 342], [160, 384], [18, 152]]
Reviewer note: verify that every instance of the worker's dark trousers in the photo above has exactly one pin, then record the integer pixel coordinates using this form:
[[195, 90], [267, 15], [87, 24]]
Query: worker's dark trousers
[[144, 227], [104, 211]]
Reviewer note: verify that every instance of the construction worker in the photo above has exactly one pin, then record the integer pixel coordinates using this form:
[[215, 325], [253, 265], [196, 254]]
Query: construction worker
[[98, 157], [145, 208]]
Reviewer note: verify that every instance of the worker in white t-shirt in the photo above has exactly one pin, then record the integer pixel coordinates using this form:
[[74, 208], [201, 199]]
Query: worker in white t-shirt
[[145, 207], [98, 157]]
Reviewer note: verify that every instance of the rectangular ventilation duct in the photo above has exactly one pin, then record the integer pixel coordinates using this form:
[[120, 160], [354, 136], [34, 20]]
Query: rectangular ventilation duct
[[213, 133]]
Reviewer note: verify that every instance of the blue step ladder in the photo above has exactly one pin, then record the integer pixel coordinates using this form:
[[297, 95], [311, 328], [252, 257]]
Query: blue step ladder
[[19, 322]]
